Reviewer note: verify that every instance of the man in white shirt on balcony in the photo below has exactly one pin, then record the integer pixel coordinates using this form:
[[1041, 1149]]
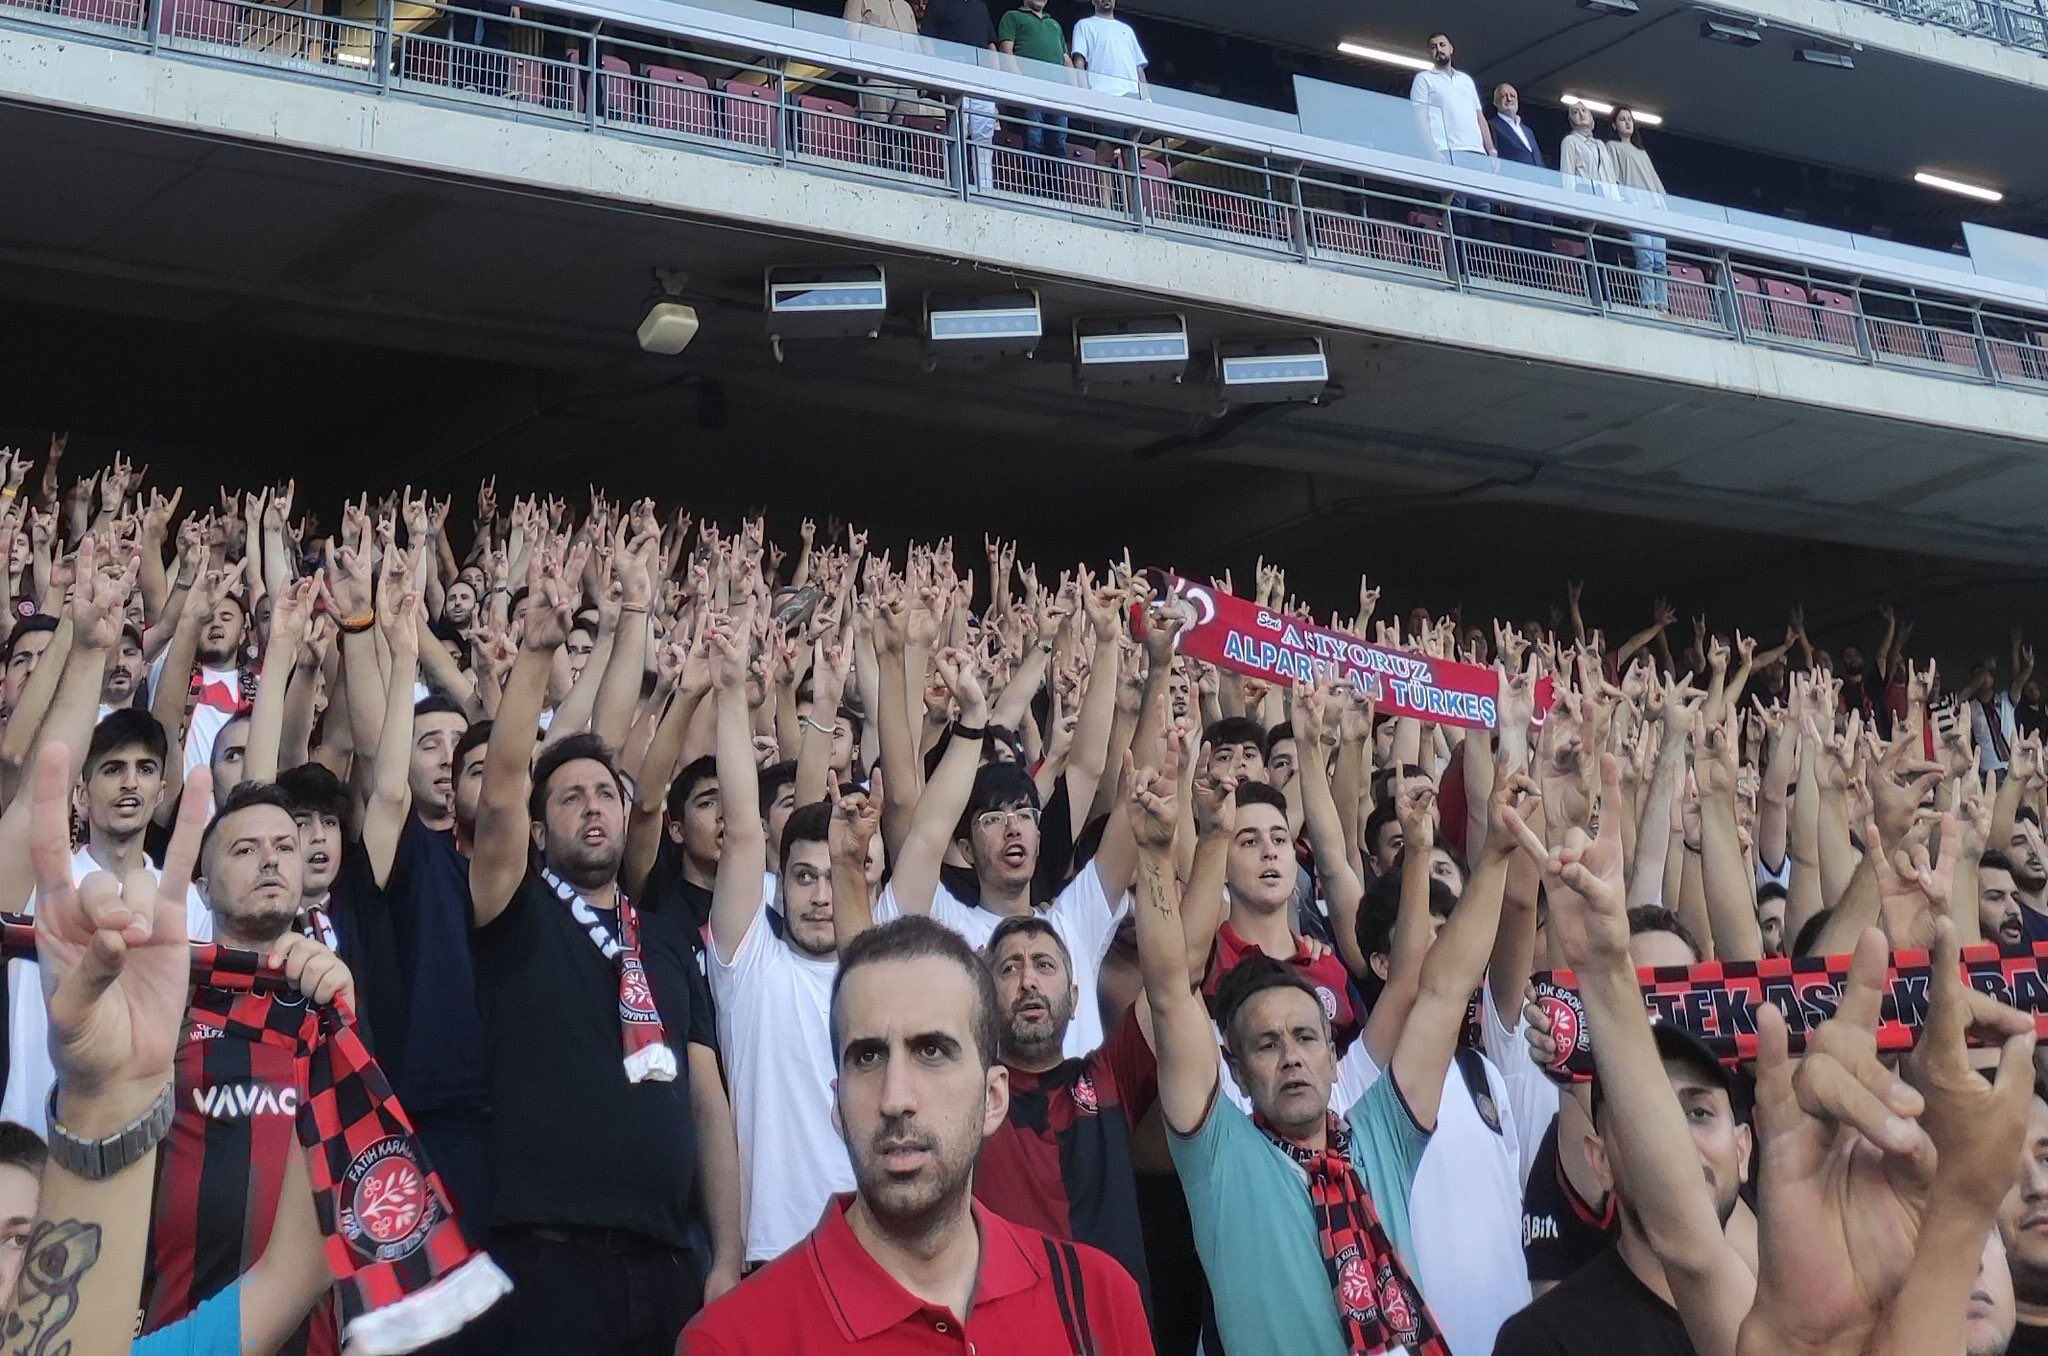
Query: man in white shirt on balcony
[[1448, 114], [1107, 48]]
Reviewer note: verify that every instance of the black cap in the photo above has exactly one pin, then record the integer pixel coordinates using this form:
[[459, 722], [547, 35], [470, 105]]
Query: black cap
[[1677, 1045]]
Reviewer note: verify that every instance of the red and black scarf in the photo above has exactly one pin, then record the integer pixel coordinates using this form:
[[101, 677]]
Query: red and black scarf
[[648, 1054], [1378, 1304], [404, 1274]]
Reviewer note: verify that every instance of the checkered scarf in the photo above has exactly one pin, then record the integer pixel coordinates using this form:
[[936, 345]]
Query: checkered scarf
[[1377, 1303], [405, 1276]]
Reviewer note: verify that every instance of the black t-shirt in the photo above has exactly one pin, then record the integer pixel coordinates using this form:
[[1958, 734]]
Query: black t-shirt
[[1560, 1232], [573, 1142], [362, 924], [442, 1063], [959, 21], [2028, 1341], [1601, 1310]]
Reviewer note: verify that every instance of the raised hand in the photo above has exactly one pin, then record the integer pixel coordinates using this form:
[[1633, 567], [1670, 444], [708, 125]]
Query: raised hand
[[856, 818], [116, 969], [1154, 810], [1582, 879]]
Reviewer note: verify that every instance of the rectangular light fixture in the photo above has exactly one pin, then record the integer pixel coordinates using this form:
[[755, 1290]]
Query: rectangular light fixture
[[1825, 56], [998, 322], [1728, 30], [840, 302], [1611, 6], [1948, 185], [1385, 57], [1605, 109], [1130, 348], [1261, 370]]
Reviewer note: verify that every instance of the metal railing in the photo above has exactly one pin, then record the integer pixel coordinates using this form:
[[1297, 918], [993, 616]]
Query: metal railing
[[2015, 23], [956, 142]]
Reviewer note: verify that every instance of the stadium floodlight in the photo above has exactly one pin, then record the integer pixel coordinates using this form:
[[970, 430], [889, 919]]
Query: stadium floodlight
[[1258, 371], [1928, 179], [1734, 31], [1605, 109], [1130, 348], [1367, 52], [1002, 323], [839, 302], [1825, 56], [1611, 6], [670, 323]]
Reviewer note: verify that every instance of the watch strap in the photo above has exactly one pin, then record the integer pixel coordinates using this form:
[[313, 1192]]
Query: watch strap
[[96, 1160]]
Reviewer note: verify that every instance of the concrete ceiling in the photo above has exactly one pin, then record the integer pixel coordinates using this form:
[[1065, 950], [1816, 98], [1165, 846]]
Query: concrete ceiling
[[1890, 116], [230, 313]]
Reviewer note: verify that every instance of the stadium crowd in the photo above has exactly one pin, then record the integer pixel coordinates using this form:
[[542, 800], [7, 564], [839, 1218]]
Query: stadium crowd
[[587, 929]]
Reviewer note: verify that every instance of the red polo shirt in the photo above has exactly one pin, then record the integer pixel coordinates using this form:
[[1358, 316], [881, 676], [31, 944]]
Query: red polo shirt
[[1035, 1297]]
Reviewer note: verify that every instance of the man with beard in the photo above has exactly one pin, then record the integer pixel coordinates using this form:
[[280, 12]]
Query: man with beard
[[2000, 917], [125, 668], [119, 787], [609, 1125], [773, 990], [2029, 867], [221, 686], [1061, 1161], [234, 1131], [2023, 1226], [909, 1260]]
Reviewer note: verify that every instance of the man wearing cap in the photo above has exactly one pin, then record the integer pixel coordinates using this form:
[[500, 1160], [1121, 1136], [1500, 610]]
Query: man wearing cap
[[1670, 1149]]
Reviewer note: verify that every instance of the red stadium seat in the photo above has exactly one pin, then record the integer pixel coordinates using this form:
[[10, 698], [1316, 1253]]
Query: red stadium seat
[[1956, 350], [1158, 187], [621, 96], [679, 101], [1691, 295], [1898, 339], [123, 13], [1787, 310], [751, 114], [827, 128], [1340, 233], [213, 21], [1085, 181], [925, 137], [1837, 317]]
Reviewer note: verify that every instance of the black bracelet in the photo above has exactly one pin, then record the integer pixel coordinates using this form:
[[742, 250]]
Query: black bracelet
[[970, 731]]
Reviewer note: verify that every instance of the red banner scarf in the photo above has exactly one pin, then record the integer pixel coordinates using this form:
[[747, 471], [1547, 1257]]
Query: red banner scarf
[[1243, 637], [1717, 1001], [1380, 1307], [404, 1274], [648, 1054]]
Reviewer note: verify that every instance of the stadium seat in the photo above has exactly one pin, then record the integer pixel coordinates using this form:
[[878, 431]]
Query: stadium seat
[[1085, 181], [751, 114], [122, 13], [679, 101], [1956, 350], [1692, 296], [214, 21], [1424, 243], [1158, 187], [1012, 166], [1898, 339], [1340, 233], [621, 95], [828, 128], [926, 139], [1787, 311], [1837, 317]]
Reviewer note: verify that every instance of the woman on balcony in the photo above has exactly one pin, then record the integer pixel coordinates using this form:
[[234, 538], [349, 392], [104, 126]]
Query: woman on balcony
[[1639, 182]]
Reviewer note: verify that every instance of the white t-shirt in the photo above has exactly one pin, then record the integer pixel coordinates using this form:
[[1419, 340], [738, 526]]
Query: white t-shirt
[[1465, 1207], [30, 1075], [774, 1029], [1532, 1097], [1111, 49], [1082, 918], [207, 720], [1448, 102]]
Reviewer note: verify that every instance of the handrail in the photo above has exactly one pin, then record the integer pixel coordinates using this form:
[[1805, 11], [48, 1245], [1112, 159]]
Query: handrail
[[1455, 229], [2021, 24]]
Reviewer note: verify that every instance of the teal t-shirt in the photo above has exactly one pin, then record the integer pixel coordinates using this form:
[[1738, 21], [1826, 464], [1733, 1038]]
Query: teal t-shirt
[[1038, 36], [213, 1329], [1255, 1230]]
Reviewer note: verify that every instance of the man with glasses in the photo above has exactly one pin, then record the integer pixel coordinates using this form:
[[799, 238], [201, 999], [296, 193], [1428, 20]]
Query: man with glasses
[[988, 814]]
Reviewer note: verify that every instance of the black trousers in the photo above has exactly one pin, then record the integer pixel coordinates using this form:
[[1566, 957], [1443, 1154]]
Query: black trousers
[[584, 1290]]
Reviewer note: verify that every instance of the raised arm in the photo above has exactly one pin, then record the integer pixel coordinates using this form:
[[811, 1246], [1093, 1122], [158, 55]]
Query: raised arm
[[626, 670], [497, 862], [736, 891], [1342, 888], [1645, 1127], [389, 798], [945, 797], [1182, 1036], [856, 819], [1724, 869]]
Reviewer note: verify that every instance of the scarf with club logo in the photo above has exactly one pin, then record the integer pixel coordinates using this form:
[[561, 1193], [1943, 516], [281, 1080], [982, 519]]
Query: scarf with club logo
[[404, 1274], [647, 1052], [1377, 1302]]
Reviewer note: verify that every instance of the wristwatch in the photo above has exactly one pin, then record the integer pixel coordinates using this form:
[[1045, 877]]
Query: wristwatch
[[96, 1160]]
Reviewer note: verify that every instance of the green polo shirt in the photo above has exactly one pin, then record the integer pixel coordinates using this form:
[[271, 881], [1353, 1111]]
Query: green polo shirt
[[1256, 1230], [1037, 36]]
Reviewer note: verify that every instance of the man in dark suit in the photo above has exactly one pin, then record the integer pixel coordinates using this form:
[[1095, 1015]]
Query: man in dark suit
[[1516, 142]]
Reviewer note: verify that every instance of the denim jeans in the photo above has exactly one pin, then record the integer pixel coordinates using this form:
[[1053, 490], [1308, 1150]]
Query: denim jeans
[[1045, 133], [1649, 268]]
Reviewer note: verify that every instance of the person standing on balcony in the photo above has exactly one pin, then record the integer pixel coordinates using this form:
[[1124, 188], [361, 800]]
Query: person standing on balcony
[[883, 101], [1452, 122], [1638, 179], [1107, 48], [1029, 32], [1582, 158], [1516, 141], [967, 23]]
